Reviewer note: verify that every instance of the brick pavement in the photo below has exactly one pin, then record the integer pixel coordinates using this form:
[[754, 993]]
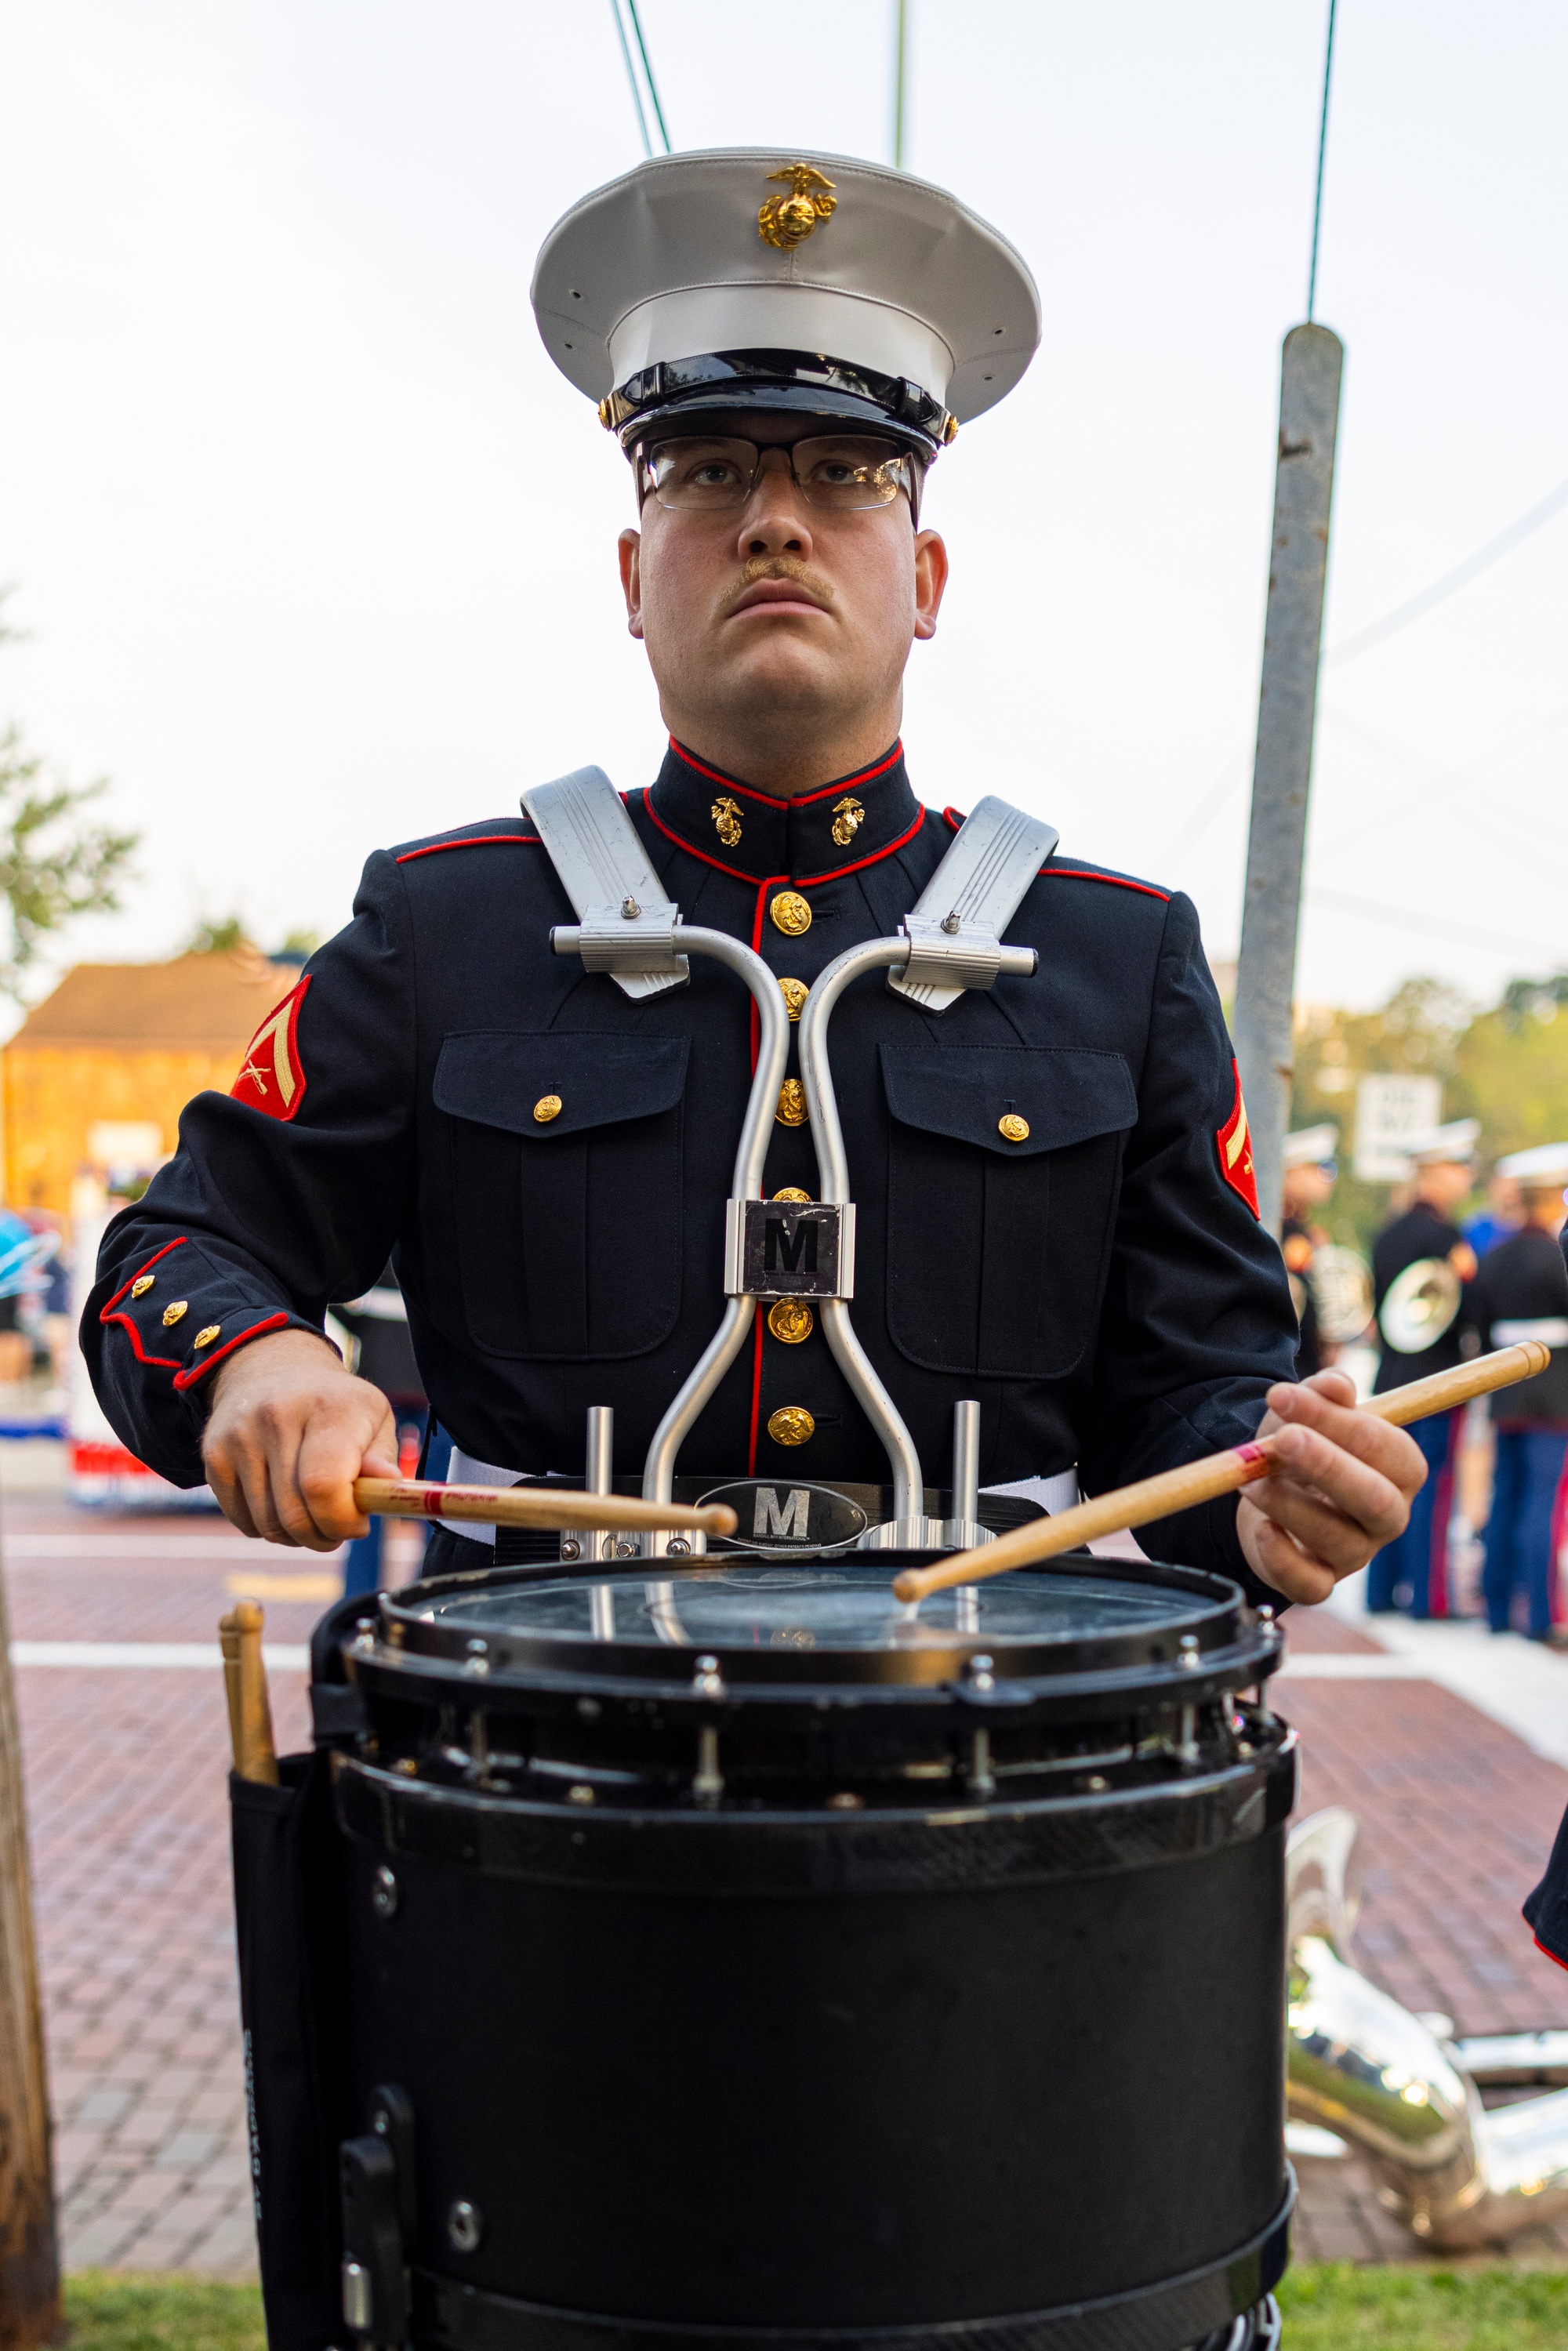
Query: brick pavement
[[127, 1800]]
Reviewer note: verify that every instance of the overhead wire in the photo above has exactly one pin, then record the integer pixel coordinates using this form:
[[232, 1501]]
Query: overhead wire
[[1462, 574], [1323, 150], [648, 70], [648, 81], [631, 77], [1368, 910]]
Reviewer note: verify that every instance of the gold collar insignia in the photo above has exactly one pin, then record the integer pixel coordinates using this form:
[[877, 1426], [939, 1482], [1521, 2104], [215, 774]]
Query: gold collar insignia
[[848, 818], [725, 820]]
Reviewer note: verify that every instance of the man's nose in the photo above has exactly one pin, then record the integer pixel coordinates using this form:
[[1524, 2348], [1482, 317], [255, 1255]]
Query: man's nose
[[773, 522]]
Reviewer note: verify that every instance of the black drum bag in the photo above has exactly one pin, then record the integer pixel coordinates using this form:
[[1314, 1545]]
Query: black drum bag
[[288, 1879]]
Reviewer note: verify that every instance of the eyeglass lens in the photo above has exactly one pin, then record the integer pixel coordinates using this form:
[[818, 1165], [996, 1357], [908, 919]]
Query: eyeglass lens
[[845, 471]]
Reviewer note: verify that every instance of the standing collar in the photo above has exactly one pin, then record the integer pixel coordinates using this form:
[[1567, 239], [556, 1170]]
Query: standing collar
[[831, 831]]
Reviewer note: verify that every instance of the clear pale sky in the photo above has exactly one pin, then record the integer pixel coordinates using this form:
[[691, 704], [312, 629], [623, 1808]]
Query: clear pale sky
[[318, 552]]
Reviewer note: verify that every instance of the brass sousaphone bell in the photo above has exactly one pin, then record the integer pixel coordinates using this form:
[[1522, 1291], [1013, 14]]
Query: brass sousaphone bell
[[1421, 1303]]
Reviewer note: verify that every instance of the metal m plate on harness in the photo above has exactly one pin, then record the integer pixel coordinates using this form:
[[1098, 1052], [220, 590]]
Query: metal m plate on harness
[[968, 903], [789, 1248], [627, 917]]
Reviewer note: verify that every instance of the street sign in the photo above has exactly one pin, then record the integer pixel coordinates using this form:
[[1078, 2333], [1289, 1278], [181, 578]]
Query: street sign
[[1389, 1111]]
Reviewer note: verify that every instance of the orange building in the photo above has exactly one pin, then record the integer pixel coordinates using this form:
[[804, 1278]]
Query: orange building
[[96, 1075]]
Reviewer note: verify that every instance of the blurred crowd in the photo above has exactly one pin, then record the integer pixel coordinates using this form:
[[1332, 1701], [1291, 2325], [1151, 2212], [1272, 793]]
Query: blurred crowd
[[1449, 1280]]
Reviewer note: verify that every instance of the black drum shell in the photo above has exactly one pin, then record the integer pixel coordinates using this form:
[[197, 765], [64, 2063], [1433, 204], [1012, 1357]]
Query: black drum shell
[[905, 2099]]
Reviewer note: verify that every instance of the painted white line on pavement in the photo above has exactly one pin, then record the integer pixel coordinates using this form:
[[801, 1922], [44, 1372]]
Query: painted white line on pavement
[[1349, 1666], [90, 1548], [206, 1656]]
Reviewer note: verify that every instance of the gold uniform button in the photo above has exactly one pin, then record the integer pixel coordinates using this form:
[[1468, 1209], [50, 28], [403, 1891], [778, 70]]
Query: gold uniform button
[[791, 1110], [791, 1320], [1013, 1129], [204, 1338], [547, 1106], [794, 992], [140, 1287], [790, 1192], [789, 912], [175, 1313], [791, 1424]]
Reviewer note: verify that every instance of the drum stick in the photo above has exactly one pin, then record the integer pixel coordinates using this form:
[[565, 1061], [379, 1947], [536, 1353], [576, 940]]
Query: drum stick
[[228, 1635], [1201, 1481], [255, 1755], [536, 1506]]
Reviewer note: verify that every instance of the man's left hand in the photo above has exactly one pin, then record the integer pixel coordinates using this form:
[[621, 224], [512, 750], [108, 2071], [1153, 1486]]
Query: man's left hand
[[1342, 1489]]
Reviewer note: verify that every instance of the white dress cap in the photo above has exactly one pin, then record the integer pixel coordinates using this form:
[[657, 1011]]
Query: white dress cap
[[1545, 1164], [1448, 1145], [1311, 1146], [806, 256]]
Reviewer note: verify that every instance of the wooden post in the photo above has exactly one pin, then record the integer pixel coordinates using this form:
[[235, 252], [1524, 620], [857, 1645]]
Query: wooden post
[[29, 2260]]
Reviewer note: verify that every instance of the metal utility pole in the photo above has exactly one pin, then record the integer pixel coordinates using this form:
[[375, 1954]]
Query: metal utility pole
[[900, 81], [29, 2264], [1287, 710]]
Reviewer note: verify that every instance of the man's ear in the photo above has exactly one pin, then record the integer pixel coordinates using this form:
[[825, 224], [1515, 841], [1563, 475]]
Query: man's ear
[[930, 581], [629, 548]]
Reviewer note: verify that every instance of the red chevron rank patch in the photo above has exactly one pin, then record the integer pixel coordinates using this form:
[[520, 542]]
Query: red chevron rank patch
[[1236, 1150], [273, 1076]]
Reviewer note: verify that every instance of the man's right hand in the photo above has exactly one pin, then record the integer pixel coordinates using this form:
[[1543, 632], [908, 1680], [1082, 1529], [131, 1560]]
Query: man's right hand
[[289, 1431]]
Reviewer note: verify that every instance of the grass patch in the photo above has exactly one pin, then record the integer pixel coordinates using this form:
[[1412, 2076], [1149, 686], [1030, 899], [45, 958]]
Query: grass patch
[[1332, 2308], [1336, 2307], [123, 2311]]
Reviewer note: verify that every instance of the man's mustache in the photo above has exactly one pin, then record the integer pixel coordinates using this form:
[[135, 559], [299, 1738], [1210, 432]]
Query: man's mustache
[[777, 567]]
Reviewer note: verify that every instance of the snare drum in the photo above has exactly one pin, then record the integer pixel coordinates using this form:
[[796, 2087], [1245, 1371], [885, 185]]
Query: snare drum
[[748, 1959]]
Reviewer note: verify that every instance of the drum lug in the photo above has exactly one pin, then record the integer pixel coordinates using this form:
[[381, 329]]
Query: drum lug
[[375, 2272]]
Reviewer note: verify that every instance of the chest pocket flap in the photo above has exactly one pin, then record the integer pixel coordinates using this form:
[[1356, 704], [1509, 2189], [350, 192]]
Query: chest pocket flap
[[996, 1249], [545, 1205], [1067, 1093], [497, 1077]]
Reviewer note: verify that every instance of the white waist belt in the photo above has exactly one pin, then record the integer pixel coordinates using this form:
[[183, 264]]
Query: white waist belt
[[1052, 1494], [1551, 1330]]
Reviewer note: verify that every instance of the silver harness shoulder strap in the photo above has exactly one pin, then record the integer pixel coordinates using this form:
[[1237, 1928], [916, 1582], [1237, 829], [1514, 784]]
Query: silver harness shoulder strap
[[952, 941]]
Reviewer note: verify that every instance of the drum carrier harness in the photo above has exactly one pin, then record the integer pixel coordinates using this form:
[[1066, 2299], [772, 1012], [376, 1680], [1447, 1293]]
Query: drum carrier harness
[[950, 941]]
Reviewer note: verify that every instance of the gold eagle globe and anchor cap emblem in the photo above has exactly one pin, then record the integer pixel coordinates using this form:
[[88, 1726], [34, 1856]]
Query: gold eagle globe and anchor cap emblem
[[848, 818], [726, 818], [786, 222]]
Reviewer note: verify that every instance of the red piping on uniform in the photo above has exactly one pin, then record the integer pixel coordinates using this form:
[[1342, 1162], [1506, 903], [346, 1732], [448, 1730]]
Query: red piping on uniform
[[718, 775], [1116, 880], [756, 1394], [474, 841], [1551, 1955], [805, 880], [701, 854], [762, 890], [954, 817], [187, 1379], [137, 1276], [166, 1363], [801, 880]]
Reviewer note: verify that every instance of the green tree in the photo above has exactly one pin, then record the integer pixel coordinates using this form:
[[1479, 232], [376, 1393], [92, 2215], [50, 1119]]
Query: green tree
[[217, 937], [54, 864]]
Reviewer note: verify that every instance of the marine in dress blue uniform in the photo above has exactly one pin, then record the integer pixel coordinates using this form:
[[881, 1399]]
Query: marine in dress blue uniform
[[1546, 1908], [550, 1160], [1055, 1197], [1426, 1326], [1053, 1177], [1521, 1292]]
